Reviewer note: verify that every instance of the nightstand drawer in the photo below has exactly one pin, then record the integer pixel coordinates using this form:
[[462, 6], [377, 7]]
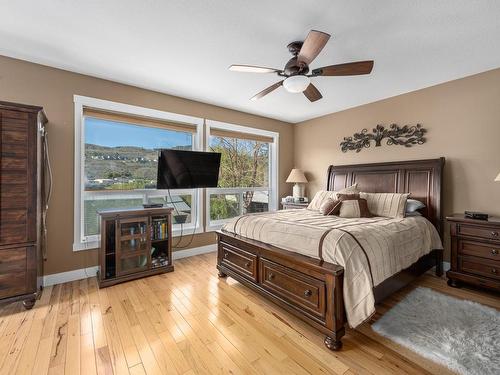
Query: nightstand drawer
[[477, 266], [479, 249], [478, 231]]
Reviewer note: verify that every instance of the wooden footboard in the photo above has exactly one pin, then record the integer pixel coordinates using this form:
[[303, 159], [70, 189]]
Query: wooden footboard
[[309, 288]]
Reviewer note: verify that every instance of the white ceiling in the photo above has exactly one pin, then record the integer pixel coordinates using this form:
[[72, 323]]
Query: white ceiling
[[183, 48]]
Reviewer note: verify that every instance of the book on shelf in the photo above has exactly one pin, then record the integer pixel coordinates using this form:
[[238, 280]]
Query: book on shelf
[[159, 229]]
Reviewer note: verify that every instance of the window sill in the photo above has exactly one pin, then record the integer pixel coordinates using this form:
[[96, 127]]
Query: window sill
[[91, 245], [214, 227]]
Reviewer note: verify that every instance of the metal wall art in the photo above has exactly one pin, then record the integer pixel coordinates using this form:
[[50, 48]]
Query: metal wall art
[[396, 135]]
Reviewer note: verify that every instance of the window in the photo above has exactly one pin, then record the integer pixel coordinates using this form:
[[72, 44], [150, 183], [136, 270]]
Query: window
[[116, 150], [117, 158], [247, 178]]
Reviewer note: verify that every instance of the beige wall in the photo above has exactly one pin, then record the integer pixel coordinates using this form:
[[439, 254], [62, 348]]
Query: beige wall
[[28, 83], [462, 118], [463, 122]]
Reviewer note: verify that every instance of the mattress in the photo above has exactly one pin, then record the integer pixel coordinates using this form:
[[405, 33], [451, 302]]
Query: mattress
[[370, 249]]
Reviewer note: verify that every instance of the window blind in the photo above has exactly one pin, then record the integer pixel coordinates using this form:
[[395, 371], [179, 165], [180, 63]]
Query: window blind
[[138, 120], [233, 134]]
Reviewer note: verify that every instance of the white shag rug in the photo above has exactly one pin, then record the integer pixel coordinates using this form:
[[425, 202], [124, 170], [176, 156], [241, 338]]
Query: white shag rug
[[459, 334]]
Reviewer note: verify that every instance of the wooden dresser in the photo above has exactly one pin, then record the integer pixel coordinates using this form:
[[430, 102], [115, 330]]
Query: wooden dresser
[[475, 252], [22, 129]]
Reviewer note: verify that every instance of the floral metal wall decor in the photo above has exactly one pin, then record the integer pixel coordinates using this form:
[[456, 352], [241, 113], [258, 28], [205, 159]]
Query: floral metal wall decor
[[396, 135]]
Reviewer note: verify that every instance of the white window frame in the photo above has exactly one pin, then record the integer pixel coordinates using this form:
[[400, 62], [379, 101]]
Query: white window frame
[[212, 225], [80, 242]]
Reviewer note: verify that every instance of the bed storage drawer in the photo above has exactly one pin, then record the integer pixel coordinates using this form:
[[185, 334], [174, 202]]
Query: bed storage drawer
[[240, 261], [293, 287]]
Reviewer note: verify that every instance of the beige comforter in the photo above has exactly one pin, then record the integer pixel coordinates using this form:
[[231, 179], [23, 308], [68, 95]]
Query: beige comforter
[[370, 249]]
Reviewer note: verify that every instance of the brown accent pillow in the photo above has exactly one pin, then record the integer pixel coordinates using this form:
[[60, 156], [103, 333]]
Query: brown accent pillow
[[330, 207], [354, 208]]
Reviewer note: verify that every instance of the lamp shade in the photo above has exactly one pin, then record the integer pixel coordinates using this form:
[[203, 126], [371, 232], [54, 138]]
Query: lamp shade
[[496, 179], [297, 176]]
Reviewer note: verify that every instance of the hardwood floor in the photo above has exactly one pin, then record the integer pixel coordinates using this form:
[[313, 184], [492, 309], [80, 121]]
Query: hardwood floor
[[190, 322]]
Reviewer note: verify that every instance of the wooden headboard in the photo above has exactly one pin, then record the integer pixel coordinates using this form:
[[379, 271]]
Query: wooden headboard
[[421, 178]]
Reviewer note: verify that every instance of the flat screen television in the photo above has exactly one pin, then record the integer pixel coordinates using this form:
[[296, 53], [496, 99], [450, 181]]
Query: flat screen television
[[187, 169]]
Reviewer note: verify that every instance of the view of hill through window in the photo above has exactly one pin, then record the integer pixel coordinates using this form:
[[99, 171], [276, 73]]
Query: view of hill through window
[[122, 156]]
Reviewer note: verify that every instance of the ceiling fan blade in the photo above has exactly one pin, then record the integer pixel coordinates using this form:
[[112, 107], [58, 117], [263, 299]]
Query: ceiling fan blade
[[312, 93], [348, 69], [312, 46], [267, 90], [252, 69]]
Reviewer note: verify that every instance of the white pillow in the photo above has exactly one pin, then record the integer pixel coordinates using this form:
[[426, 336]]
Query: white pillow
[[321, 196], [386, 204], [413, 205]]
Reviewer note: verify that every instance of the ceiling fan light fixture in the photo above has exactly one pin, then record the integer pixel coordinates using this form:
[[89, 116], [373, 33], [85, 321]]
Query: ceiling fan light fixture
[[296, 84]]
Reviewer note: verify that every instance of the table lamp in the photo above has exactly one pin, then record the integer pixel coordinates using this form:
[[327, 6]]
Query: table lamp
[[297, 177], [497, 179]]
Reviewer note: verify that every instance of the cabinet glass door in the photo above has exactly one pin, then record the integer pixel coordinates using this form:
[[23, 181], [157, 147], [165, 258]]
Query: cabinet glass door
[[133, 239]]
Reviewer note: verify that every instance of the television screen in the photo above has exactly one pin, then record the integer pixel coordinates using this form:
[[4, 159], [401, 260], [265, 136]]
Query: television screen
[[187, 169]]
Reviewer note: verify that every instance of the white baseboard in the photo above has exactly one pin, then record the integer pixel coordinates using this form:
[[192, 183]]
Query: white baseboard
[[83, 273], [64, 277], [179, 254]]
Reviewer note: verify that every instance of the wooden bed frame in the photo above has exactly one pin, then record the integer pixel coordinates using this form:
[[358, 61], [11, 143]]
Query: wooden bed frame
[[310, 288]]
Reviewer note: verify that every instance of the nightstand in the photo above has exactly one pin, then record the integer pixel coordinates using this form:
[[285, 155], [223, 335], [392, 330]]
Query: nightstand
[[293, 205], [475, 252]]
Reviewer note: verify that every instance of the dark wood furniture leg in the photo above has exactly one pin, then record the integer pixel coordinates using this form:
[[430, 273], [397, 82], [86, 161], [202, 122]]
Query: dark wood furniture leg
[[439, 263], [453, 283], [30, 302], [221, 274], [333, 344]]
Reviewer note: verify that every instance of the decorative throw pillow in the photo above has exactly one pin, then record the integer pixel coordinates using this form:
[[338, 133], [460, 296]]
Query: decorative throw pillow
[[354, 208], [386, 204], [330, 207], [319, 198], [347, 197], [323, 195]]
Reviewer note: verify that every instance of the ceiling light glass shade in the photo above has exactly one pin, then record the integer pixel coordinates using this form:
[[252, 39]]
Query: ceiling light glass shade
[[296, 84]]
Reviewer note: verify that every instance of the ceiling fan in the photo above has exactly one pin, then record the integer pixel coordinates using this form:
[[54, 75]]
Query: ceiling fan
[[296, 77]]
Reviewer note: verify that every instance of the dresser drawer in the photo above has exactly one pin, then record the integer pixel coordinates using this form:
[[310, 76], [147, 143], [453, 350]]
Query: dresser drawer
[[293, 287], [12, 272], [478, 266], [240, 261], [479, 249], [478, 231]]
